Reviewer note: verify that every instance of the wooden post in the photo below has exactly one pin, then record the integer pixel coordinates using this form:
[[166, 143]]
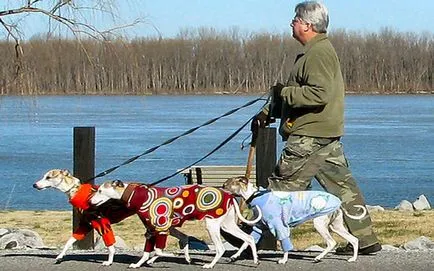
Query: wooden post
[[265, 163], [84, 169]]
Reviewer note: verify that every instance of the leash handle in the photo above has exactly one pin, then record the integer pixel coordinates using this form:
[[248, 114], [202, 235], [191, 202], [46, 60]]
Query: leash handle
[[250, 161]]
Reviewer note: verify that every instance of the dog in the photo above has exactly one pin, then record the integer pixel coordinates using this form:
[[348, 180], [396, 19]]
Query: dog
[[282, 210], [99, 218], [161, 208]]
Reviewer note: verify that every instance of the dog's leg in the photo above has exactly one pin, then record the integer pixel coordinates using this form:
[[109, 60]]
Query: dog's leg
[[183, 238], [337, 226], [229, 225], [237, 254], [152, 260], [213, 228], [321, 224], [67, 246], [111, 255], [159, 253], [284, 258], [144, 258]]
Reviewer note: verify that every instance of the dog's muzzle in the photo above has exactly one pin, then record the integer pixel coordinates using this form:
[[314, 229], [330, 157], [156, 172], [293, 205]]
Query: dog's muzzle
[[37, 187]]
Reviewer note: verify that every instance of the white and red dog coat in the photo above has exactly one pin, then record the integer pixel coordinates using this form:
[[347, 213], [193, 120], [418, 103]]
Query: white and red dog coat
[[160, 208]]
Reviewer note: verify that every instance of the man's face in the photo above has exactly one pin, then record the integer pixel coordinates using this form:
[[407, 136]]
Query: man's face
[[297, 28]]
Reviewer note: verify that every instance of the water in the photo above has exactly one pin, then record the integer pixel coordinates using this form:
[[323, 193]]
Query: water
[[388, 141]]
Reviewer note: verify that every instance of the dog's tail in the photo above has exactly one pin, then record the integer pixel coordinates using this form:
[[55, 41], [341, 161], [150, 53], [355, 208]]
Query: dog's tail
[[240, 216], [362, 215]]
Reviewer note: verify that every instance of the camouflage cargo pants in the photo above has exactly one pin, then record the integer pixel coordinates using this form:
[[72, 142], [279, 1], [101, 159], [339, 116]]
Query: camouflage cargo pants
[[304, 158]]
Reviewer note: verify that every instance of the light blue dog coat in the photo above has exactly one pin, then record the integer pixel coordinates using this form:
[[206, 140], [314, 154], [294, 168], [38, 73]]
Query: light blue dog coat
[[282, 210]]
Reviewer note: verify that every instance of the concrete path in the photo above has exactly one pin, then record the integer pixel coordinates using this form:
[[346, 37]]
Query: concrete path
[[43, 260]]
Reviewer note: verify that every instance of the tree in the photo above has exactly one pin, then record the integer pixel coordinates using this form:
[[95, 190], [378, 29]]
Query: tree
[[76, 16]]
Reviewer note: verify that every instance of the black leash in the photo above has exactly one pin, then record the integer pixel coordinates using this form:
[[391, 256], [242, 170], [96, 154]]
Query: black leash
[[148, 151], [206, 156]]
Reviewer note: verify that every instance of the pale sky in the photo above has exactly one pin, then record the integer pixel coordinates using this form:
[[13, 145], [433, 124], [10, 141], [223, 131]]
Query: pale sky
[[274, 15], [169, 16]]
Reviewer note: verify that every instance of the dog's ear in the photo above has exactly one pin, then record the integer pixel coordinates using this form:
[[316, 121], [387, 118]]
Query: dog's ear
[[243, 179], [65, 172], [118, 183]]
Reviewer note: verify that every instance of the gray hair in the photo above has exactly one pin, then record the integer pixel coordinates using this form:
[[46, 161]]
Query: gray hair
[[314, 13]]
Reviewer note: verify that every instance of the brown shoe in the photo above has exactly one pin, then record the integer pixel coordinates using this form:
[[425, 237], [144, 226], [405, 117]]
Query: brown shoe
[[348, 249]]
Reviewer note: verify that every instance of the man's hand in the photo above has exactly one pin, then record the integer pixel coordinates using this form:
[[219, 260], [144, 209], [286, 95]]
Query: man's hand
[[276, 101], [277, 90], [260, 120]]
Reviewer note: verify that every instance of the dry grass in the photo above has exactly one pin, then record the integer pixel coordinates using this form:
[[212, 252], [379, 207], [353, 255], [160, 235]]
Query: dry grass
[[392, 227]]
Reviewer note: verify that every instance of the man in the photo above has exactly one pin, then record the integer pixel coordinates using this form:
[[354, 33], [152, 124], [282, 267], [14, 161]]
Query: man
[[311, 112]]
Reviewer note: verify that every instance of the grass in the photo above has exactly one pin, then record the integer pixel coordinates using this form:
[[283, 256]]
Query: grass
[[392, 227]]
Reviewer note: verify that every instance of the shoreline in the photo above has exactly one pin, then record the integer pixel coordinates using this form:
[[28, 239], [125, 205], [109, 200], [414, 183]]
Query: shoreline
[[393, 227]]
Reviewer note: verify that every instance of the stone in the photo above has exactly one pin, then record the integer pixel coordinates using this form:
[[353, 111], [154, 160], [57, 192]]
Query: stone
[[421, 203], [3, 232], [405, 206], [389, 248], [375, 208], [20, 239], [421, 243]]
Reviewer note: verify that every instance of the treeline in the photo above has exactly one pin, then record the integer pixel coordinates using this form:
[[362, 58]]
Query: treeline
[[206, 61]]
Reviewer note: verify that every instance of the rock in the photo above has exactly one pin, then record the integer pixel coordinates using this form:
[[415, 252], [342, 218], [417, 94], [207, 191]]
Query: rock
[[3, 232], [389, 248], [375, 208], [120, 243], [421, 203], [405, 206], [421, 243], [20, 239]]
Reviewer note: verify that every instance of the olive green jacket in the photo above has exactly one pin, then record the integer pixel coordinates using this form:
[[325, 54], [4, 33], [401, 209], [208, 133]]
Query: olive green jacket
[[313, 99]]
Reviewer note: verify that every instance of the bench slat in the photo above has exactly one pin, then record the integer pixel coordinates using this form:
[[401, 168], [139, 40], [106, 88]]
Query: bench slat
[[215, 175]]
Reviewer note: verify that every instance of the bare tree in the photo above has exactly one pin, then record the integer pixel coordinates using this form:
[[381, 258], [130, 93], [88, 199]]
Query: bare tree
[[76, 16]]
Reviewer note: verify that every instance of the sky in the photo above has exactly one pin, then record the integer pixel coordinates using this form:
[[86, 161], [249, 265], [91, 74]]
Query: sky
[[274, 15], [170, 16]]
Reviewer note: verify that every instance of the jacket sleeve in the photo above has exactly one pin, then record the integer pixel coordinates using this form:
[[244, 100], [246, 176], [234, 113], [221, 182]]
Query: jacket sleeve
[[314, 86]]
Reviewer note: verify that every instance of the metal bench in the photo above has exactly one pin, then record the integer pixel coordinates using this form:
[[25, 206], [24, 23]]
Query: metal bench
[[215, 175]]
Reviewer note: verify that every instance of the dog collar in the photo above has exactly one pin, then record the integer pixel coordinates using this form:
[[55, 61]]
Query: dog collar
[[128, 191]]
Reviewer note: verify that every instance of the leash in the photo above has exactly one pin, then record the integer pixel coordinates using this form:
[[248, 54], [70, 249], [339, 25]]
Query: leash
[[206, 156], [150, 150], [251, 151]]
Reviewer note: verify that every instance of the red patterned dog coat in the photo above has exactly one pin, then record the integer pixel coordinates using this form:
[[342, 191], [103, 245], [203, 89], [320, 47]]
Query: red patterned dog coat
[[160, 208]]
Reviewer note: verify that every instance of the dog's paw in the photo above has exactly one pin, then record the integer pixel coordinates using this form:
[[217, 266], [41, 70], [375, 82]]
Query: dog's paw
[[134, 265], [233, 259], [58, 260], [207, 266], [317, 260], [282, 261], [352, 259], [106, 263], [151, 261]]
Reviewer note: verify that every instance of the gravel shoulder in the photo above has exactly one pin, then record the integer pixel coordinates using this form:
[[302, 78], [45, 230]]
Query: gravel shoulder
[[43, 260]]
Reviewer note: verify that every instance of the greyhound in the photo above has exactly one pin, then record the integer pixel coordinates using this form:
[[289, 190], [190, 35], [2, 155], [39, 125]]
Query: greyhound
[[282, 210], [64, 181], [160, 208]]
